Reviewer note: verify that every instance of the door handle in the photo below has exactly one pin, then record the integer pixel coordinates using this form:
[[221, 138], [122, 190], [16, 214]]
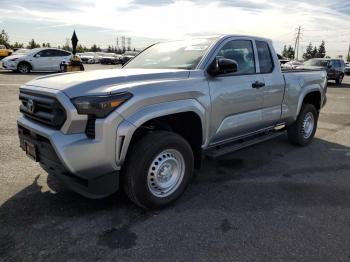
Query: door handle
[[258, 84]]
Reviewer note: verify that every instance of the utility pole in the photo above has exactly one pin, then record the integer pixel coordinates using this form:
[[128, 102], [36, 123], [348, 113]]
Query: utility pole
[[296, 45], [348, 58]]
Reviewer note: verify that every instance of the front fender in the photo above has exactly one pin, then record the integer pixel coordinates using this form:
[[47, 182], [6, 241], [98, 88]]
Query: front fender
[[144, 114]]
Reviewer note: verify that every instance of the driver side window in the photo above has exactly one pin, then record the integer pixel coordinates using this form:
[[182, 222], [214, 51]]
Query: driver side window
[[242, 52]]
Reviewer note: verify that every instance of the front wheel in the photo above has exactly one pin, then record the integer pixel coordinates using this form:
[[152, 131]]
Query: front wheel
[[303, 130], [158, 169], [340, 79], [23, 68]]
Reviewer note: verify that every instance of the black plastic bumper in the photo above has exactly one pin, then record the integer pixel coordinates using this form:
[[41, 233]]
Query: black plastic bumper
[[98, 187]]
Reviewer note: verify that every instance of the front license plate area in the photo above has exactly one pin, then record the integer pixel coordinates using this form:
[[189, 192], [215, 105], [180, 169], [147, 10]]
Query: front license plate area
[[31, 150]]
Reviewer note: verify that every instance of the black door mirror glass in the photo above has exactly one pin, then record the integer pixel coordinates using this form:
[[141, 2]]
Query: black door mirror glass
[[223, 66]]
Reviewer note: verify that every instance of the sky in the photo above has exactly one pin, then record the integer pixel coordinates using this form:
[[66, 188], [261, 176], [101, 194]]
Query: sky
[[147, 21]]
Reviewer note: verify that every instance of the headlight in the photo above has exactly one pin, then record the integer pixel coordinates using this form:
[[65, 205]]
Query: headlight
[[99, 106], [13, 59]]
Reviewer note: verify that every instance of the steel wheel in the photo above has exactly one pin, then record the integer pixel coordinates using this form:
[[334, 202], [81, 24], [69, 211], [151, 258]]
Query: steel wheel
[[308, 125], [166, 173]]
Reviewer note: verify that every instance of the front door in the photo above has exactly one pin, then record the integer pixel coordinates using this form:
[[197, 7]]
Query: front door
[[236, 98], [43, 61]]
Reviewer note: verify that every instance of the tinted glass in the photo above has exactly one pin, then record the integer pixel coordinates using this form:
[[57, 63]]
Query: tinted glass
[[61, 53], [317, 62], [47, 53], [172, 55], [265, 57], [242, 52]]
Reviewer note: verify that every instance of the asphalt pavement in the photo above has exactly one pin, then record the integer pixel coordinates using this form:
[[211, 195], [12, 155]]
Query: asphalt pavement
[[269, 202]]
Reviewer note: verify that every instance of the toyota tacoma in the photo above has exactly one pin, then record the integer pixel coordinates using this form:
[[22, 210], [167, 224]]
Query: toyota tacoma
[[146, 126]]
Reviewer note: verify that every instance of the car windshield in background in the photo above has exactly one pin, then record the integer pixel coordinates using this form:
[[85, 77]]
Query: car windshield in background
[[22, 51], [172, 55], [316, 62]]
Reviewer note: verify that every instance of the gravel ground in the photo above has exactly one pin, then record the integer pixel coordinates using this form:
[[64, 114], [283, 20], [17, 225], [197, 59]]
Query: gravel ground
[[270, 202]]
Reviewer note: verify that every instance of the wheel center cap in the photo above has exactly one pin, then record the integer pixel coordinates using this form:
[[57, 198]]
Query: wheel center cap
[[165, 173]]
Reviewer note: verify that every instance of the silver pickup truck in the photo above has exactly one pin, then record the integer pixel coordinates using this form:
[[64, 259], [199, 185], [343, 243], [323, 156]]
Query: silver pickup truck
[[148, 125]]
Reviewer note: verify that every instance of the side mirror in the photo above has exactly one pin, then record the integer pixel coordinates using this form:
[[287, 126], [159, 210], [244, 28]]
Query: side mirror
[[37, 56], [223, 66]]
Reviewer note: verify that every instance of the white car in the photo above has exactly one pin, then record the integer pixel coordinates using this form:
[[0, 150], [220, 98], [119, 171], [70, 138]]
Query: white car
[[37, 59], [89, 58], [347, 68]]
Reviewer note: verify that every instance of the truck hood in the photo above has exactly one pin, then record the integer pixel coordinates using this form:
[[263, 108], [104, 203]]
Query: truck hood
[[100, 82]]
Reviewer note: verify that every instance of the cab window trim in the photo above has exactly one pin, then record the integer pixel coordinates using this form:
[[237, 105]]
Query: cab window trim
[[271, 58], [217, 50]]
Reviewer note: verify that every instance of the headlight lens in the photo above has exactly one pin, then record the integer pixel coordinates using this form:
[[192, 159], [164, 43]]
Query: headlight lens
[[99, 106]]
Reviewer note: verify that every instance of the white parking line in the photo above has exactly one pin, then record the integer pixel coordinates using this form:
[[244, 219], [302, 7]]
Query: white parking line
[[10, 84]]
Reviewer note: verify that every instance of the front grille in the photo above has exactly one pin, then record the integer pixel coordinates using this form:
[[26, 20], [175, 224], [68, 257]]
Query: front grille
[[90, 127], [44, 109]]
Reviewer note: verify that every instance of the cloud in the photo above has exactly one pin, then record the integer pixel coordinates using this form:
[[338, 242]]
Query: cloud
[[170, 19]]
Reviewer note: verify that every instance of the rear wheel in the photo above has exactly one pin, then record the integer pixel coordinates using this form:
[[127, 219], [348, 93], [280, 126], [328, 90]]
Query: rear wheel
[[23, 68], [158, 170], [303, 130]]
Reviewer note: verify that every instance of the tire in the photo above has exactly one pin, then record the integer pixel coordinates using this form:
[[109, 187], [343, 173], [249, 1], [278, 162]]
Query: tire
[[340, 79], [303, 130], [23, 68], [147, 180]]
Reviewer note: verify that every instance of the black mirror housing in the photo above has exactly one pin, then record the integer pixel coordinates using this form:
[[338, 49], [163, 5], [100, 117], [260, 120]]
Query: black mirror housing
[[222, 65]]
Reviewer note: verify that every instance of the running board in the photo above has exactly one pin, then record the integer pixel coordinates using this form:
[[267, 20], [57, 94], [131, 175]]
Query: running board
[[241, 143]]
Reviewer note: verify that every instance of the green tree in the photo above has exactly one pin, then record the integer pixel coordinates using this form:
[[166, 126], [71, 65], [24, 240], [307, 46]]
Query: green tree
[[4, 38], [288, 52], [314, 52], [308, 53], [67, 46], [321, 50], [81, 49], [32, 44], [95, 48], [17, 45]]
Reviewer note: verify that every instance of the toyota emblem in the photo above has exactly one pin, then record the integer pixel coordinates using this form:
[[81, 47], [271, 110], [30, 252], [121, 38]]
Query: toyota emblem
[[31, 106]]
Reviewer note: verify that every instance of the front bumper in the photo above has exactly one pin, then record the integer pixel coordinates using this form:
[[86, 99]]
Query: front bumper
[[88, 165], [9, 65], [103, 182]]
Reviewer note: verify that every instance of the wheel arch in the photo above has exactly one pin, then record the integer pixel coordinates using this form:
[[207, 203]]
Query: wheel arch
[[311, 96], [186, 118]]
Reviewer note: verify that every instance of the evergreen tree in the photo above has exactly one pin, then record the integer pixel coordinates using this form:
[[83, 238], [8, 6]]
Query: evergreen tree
[[308, 53], [32, 44], [314, 52], [4, 38], [321, 50]]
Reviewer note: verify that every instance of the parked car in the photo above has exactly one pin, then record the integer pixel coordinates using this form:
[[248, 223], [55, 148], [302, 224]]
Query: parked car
[[4, 52], [38, 59], [153, 120], [347, 68], [110, 58], [335, 67], [291, 64], [89, 58], [128, 55]]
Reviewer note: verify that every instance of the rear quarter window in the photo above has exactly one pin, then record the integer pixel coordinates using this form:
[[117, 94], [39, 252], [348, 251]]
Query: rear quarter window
[[265, 57]]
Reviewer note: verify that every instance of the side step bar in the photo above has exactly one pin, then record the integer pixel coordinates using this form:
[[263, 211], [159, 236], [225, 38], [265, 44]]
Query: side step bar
[[241, 143]]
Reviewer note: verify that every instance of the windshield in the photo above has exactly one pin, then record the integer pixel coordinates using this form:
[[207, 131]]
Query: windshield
[[172, 55], [316, 62], [22, 51]]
